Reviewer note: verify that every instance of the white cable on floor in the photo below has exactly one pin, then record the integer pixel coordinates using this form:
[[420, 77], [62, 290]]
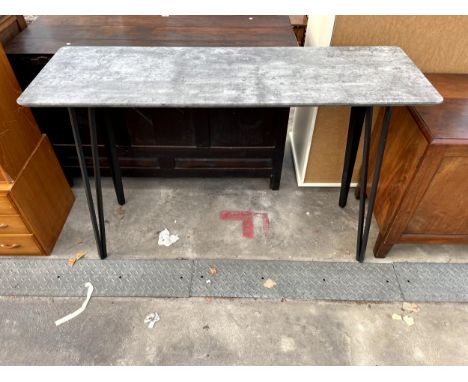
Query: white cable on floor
[[80, 310]]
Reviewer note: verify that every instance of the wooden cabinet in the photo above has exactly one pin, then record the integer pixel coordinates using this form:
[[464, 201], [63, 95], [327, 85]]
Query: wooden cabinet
[[10, 26], [299, 24], [35, 198], [423, 191]]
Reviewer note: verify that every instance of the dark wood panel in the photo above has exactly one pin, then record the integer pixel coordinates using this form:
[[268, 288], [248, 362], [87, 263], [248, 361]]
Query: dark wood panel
[[450, 85], [422, 195], [136, 33], [39, 47], [437, 214], [445, 121], [48, 33], [201, 21], [10, 26], [242, 127], [177, 151], [433, 239], [160, 127], [138, 171], [223, 163], [299, 24], [405, 147]]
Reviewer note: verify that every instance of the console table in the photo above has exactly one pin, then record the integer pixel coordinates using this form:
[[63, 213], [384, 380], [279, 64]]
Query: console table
[[276, 78]]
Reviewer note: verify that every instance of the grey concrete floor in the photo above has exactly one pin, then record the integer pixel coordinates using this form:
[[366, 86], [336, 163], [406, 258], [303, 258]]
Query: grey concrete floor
[[229, 332], [305, 223]]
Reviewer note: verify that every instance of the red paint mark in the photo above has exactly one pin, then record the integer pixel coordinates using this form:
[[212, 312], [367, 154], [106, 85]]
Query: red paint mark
[[247, 221], [266, 222]]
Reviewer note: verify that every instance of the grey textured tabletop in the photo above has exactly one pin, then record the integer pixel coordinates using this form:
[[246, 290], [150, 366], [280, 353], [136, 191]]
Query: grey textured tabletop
[[237, 77]]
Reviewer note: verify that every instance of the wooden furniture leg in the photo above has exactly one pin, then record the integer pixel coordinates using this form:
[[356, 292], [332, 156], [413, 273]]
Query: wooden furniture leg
[[381, 249]]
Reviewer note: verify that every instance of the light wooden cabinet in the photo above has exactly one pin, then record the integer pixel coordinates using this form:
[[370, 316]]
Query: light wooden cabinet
[[35, 198]]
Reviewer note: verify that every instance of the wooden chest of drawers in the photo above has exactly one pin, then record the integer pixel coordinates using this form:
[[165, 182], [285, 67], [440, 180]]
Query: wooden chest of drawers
[[423, 191], [35, 197], [33, 208], [12, 224], [15, 236]]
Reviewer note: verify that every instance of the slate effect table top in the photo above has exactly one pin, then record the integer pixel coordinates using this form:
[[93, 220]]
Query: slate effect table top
[[237, 77]]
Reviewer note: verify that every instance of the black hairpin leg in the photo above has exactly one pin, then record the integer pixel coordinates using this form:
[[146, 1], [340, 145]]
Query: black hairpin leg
[[356, 120], [99, 231], [113, 160], [97, 179], [364, 225]]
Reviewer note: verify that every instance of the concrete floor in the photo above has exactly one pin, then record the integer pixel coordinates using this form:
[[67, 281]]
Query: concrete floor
[[229, 332], [305, 224]]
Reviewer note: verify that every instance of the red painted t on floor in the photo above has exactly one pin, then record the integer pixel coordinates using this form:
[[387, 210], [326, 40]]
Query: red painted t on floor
[[247, 218]]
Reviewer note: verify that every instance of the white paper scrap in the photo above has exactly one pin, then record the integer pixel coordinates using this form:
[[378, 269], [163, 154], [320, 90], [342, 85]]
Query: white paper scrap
[[166, 238], [80, 310], [151, 319]]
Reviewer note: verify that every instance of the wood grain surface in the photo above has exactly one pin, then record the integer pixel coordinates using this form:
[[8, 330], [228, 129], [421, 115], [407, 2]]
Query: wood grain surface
[[422, 195], [19, 133], [42, 195], [49, 33]]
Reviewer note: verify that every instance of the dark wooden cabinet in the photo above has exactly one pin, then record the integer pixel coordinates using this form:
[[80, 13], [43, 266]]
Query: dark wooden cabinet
[[164, 142], [423, 191], [299, 24], [10, 26], [185, 142]]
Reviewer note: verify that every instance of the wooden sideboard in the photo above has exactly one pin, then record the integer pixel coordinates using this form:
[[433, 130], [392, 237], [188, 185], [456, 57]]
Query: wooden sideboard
[[299, 24], [10, 26], [35, 198], [162, 142], [423, 191]]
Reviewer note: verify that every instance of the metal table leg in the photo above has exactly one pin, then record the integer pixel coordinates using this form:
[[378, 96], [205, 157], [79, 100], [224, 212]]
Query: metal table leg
[[113, 160], [99, 231], [356, 121], [364, 225]]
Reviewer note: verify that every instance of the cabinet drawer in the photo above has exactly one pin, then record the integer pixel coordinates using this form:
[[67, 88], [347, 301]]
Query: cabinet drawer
[[6, 208], [12, 224], [18, 245]]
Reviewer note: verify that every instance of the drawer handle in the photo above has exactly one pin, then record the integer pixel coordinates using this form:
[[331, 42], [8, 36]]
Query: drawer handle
[[3, 225], [9, 246]]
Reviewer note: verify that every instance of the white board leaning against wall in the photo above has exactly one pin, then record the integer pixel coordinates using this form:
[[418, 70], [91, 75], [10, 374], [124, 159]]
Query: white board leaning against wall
[[319, 33]]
